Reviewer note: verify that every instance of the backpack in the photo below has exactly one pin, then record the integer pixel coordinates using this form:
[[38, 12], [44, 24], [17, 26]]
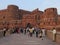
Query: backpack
[[31, 30]]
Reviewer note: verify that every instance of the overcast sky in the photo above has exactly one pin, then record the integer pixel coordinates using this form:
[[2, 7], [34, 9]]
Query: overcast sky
[[31, 4]]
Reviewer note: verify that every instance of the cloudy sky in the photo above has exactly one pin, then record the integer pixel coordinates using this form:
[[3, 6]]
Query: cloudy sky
[[31, 4]]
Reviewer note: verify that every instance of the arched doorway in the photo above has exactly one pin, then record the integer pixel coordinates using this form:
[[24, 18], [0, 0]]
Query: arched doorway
[[28, 25]]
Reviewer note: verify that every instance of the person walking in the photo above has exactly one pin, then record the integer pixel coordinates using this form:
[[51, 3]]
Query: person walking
[[24, 30], [4, 31], [21, 30], [37, 31], [33, 30], [43, 32], [30, 31], [40, 34]]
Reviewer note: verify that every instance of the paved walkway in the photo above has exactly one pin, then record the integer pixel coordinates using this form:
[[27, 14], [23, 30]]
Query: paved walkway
[[21, 39]]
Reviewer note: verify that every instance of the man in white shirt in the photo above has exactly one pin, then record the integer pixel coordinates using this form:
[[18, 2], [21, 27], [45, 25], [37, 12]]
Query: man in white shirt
[[43, 31], [31, 31], [54, 34]]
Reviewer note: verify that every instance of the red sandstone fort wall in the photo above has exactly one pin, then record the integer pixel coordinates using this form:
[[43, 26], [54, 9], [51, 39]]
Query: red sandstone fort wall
[[49, 18], [13, 16]]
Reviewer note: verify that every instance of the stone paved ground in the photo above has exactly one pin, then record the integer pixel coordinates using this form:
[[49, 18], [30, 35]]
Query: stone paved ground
[[21, 39]]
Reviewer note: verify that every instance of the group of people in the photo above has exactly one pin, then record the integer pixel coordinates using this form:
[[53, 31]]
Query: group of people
[[30, 31], [33, 30], [41, 33], [9, 30]]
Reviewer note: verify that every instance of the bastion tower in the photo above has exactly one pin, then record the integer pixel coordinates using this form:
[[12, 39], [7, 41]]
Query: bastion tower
[[10, 17], [49, 18]]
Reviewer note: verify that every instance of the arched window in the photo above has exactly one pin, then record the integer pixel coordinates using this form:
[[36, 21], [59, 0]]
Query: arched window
[[3, 17], [18, 16], [37, 17], [28, 25]]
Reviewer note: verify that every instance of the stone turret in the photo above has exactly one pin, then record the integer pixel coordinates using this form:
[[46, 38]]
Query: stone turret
[[12, 7], [14, 11]]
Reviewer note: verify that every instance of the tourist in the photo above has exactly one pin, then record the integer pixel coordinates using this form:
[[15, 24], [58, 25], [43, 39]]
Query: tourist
[[40, 34], [37, 31], [21, 30], [27, 29], [33, 30], [30, 31], [43, 32], [4, 29], [24, 31], [54, 34]]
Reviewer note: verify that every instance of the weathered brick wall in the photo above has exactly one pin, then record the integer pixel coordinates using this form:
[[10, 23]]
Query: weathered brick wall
[[58, 37], [32, 18], [10, 16], [49, 18], [50, 36]]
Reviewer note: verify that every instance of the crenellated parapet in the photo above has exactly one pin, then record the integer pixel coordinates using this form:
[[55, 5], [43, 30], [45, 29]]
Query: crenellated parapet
[[50, 12]]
